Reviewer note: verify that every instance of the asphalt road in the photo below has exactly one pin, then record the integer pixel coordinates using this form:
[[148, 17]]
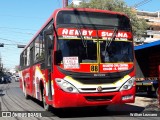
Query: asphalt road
[[12, 99]]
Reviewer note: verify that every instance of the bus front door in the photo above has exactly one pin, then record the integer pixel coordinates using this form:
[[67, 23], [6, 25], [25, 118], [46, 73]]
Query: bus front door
[[48, 38]]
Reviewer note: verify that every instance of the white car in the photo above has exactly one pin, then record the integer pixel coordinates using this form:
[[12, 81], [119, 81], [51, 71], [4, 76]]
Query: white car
[[16, 78]]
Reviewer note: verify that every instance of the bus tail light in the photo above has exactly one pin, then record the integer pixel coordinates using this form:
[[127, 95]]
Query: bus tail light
[[128, 84], [66, 86]]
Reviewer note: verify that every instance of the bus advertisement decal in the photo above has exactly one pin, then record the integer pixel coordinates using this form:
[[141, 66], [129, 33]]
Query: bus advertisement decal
[[115, 67]]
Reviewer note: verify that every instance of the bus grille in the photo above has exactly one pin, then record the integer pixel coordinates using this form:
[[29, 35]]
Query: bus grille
[[95, 90], [98, 98]]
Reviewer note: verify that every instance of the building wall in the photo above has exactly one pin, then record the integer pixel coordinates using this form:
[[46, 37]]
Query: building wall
[[153, 20], [76, 2]]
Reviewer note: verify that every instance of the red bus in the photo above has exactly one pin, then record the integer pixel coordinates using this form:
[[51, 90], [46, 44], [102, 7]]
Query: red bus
[[80, 57]]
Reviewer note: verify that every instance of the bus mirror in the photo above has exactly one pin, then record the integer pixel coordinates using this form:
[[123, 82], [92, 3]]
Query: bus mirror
[[58, 56], [42, 65], [49, 43]]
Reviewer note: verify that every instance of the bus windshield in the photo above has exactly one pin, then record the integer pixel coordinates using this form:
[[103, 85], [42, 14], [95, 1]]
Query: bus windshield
[[86, 52], [118, 51]]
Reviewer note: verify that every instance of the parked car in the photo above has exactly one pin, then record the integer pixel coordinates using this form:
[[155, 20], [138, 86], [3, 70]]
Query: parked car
[[5, 79]]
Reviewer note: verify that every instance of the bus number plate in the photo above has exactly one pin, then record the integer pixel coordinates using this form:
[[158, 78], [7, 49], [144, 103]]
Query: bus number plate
[[94, 68]]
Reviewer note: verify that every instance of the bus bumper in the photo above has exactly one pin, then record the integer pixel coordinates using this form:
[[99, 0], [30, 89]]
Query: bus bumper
[[63, 99]]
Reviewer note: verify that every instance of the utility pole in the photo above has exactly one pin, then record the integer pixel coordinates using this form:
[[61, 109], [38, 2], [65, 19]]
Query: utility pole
[[1, 66], [65, 3]]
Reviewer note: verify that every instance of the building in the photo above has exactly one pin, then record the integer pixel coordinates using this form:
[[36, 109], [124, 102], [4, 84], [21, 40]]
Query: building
[[153, 20], [77, 2]]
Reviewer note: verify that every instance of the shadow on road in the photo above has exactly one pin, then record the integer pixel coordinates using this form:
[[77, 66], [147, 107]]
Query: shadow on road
[[144, 94], [112, 110]]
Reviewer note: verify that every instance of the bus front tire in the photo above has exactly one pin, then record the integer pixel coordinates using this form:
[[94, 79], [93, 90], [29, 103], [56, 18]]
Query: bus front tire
[[45, 105]]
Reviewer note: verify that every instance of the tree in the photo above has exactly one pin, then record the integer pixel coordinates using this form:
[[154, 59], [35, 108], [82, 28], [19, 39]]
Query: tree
[[139, 26], [17, 68]]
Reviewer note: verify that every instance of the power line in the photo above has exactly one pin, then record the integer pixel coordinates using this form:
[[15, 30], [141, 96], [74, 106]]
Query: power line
[[27, 33], [30, 17], [14, 38], [10, 44], [10, 40], [141, 3], [17, 28], [59, 3], [69, 1]]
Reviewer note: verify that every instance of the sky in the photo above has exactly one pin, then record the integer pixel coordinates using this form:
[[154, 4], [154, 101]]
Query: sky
[[21, 19], [145, 5]]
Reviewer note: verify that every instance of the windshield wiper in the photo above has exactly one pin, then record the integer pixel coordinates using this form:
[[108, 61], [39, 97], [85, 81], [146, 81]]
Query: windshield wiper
[[109, 41], [84, 42]]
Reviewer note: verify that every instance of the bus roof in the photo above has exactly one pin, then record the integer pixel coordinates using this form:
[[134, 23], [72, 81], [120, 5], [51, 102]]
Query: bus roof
[[54, 14], [90, 10]]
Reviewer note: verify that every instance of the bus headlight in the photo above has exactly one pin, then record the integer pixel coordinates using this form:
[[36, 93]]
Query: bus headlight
[[128, 84], [66, 86]]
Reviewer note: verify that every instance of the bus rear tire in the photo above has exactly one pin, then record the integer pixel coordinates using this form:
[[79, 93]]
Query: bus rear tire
[[45, 105], [25, 94]]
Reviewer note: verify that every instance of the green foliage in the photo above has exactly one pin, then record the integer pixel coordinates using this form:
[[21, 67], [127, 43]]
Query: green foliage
[[138, 25]]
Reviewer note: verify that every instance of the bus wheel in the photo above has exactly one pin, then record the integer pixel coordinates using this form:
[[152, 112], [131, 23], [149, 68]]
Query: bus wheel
[[45, 105], [157, 93], [25, 93]]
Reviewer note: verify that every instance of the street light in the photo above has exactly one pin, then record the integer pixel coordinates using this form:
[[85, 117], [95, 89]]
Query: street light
[[21, 46]]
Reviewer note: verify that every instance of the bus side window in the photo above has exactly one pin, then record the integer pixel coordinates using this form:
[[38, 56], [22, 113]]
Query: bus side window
[[28, 55], [31, 55], [25, 58], [39, 49], [22, 61], [36, 45]]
